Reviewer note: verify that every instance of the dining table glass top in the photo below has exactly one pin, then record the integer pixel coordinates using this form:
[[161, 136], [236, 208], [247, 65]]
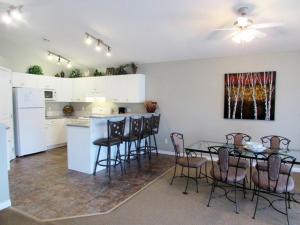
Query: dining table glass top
[[202, 146]]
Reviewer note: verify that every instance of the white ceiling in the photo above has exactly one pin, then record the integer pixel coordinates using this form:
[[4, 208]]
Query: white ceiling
[[144, 31]]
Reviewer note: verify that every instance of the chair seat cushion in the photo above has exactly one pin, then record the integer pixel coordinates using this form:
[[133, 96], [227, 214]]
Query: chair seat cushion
[[130, 138], [192, 162], [284, 169], [263, 182], [234, 175], [106, 141], [243, 163]]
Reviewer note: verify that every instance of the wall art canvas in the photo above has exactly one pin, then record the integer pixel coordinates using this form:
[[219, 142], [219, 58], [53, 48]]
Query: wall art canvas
[[250, 95]]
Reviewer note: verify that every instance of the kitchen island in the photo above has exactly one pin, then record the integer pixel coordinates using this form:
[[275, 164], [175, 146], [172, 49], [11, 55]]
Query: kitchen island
[[81, 134]]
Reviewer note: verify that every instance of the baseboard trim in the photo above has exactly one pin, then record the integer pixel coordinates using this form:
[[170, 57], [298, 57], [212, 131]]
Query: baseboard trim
[[4, 205]]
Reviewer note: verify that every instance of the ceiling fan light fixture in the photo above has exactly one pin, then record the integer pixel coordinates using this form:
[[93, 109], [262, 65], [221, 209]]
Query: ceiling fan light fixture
[[242, 21], [6, 18], [244, 36]]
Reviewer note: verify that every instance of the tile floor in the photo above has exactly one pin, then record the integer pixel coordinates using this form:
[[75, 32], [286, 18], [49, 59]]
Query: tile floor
[[42, 186]]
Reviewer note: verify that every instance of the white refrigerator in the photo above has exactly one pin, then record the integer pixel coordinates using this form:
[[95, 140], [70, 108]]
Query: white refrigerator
[[29, 114]]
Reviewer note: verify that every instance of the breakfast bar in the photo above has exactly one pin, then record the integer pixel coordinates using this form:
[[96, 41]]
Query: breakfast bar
[[81, 134]]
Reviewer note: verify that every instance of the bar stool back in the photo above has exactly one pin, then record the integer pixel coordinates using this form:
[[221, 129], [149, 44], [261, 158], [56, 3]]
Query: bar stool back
[[115, 135], [134, 136]]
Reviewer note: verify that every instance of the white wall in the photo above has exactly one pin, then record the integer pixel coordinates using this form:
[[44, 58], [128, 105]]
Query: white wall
[[4, 191], [190, 96]]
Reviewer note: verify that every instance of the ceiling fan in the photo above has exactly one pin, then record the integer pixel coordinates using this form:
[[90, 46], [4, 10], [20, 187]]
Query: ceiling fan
[[245, 30]]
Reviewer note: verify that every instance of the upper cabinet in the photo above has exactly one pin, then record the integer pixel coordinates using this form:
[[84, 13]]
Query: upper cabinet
[[116, 88]]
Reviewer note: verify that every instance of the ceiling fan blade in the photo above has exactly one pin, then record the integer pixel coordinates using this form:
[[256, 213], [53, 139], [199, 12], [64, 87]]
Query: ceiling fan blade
[[266, 25], [225, 29], [259, 34]]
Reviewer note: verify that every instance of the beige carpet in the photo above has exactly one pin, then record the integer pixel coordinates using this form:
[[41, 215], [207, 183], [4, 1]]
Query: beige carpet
[[162, 204]]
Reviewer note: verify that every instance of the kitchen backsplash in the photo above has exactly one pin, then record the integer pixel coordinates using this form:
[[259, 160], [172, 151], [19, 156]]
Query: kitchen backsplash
[[86, 109]]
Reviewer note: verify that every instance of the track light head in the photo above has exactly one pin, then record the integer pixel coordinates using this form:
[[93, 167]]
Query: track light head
[[50, 57], [108, 53], [6, 18], [16, 13], [88, 40], [98, 47]]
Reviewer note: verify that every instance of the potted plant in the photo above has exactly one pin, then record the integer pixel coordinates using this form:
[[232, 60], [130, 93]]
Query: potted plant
[[75, 73], [98, 73], [133, 67], [35, 69]]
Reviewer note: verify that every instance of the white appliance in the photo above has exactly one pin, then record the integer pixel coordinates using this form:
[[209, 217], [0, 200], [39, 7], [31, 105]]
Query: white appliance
[[50, 95], [29, 114]]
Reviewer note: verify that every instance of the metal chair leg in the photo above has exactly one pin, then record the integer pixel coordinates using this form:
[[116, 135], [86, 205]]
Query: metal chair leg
[[197, 179], [235, 200], [173, 174], [286, 207], [206, 172], [211, 192], [119, 158], [187, 182], [96, 162], [257, 199], [109, 161], [155, 144]]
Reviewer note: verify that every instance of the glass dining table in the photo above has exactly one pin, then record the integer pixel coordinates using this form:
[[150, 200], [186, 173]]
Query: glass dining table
[[203, 148]]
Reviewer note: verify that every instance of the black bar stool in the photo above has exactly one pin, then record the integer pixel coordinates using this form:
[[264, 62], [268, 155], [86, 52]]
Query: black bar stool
[[155, 127], [115, 135], [133, 137], [146, 135]]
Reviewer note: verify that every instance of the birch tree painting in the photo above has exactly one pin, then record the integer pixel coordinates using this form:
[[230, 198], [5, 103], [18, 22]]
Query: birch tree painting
[[250, 95]]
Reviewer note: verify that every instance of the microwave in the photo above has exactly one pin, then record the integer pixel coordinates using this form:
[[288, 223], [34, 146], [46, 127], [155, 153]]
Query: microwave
[[50, 95]]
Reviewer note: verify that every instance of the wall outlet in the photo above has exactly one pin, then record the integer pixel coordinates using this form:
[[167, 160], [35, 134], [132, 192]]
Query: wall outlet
[[166, 141]]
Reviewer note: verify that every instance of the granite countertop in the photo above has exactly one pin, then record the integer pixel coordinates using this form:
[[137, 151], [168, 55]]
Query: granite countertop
[[119, 115], [85, 121], [66, 117]]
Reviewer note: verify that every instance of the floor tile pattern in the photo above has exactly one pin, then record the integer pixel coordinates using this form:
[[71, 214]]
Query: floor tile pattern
[[42, 186]]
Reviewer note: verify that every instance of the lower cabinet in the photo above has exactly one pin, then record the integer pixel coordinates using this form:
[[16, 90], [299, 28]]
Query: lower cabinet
[[55, 133]]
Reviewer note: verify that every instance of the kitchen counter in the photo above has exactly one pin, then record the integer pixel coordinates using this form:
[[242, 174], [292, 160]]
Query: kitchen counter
[[81, 134]]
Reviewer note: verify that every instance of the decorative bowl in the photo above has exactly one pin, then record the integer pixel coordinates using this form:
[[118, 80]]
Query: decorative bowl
[[255, 147]]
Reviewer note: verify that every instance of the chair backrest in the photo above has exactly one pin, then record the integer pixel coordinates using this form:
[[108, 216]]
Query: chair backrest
[[155, 123], [237, 139], [115, 129], [178, 144], [275, 142], [135, 127], [147, 125], [275, 162], [223, 153]]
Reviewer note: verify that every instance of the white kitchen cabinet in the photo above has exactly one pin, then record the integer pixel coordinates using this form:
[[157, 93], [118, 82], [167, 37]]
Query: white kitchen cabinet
[[126, 88], [64, 91], [6, 109], [26, 80], [47, 82], [55, 133], [79, 89]]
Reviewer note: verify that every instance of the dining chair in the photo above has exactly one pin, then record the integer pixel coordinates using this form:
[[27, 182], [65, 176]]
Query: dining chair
[[238, 140], [224, 175], [186, 159], [274, 143], [273, 183]]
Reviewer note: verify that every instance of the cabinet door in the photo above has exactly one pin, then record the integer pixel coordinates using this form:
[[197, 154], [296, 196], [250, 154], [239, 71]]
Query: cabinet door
[[26, 80], [64, 90], [5, 94], [47, 82], [79, 89], [55, 132], [135, 88]]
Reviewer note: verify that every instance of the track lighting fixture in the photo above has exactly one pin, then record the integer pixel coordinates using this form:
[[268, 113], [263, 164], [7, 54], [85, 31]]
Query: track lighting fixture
[[99, 43], [13, 13], [108, 53], [60, 59]]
